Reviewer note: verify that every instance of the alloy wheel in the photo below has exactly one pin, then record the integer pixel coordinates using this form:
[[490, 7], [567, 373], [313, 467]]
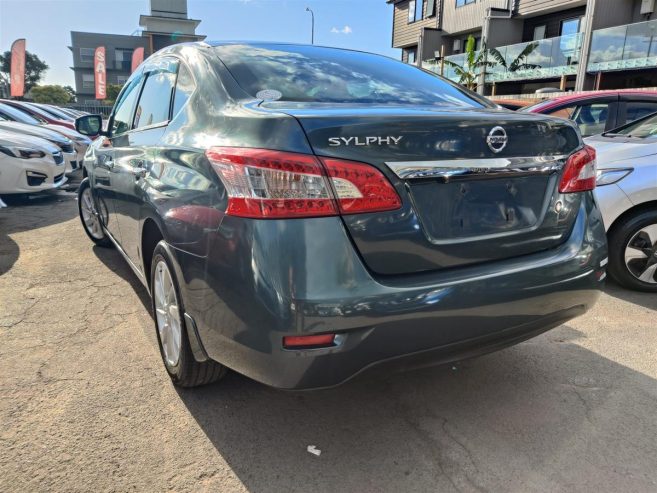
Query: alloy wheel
[[90, 216], [641, 254], [167, 313]]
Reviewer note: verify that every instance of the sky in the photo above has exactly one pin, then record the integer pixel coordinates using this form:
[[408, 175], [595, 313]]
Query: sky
[[47, 24]]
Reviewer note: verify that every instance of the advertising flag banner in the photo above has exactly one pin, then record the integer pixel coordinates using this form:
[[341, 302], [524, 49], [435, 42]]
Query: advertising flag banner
[[17, 69], [100, 73], [137, 58]]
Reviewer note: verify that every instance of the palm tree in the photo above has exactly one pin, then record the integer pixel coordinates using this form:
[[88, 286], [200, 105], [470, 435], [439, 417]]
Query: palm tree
[[475, 61]]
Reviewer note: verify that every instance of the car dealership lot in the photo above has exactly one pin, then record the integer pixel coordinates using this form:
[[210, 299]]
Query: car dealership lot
[[85, 403]]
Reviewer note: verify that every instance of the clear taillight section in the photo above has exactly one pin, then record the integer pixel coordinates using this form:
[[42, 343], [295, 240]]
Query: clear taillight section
[[261, 183], [579, 174]]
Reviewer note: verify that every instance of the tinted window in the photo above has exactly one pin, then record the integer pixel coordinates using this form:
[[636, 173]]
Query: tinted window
[[155, 100], [639, 109], [184, 88], [641, 130], [326, 75], [124, 107], [590, 118]]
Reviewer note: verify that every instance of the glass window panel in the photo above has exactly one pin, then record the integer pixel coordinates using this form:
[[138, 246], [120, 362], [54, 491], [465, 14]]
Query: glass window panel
[[124, 107], [155, 100]]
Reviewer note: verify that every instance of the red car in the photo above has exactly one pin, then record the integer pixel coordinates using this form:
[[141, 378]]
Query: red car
[[38, 113], [599, 111]]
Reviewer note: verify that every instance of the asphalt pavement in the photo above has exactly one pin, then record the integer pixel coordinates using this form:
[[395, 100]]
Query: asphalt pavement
[[85, 404]]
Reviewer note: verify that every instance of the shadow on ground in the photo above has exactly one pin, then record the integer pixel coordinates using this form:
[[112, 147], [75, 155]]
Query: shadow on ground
[[513, 420], [30, 212], [646, 300]]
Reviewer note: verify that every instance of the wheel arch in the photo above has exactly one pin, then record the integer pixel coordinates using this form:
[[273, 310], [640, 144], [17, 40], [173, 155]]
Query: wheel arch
[[637, 209], [151, 235]]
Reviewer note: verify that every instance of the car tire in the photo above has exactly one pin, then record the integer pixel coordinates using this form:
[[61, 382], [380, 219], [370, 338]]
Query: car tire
[[634, 239], [168, 310], [89, 217]]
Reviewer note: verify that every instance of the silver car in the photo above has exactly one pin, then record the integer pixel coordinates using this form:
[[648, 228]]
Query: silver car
[[627, 195]]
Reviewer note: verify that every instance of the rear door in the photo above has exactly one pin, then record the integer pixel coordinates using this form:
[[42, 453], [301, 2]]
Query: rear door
[[134, 151]]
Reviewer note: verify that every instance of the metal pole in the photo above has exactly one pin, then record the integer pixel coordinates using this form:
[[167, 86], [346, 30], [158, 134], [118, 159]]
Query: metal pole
[[312, 32]]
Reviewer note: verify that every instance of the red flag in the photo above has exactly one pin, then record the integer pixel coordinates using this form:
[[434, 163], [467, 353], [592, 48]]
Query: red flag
[[137, 58], [17, 70], [99, 73]]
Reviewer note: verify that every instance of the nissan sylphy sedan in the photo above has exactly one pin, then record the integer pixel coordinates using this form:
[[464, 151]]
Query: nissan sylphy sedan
[[300, 214]]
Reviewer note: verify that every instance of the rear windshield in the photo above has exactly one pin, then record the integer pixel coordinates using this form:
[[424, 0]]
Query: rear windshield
[[328, 75]]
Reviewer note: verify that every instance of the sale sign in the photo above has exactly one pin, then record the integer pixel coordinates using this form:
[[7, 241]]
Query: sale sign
[[17, 69], [137, 58], [100, 76]]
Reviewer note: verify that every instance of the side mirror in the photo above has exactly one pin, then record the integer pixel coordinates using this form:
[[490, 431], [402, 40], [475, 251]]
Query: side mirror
[[90, 125]]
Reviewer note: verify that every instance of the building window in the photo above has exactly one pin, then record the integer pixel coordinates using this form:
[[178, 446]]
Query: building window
[[539, 32], [431, 8], [410, 55], [411, 11], [122, 59], [87, 54], [570, 26], [88, 81], [461, 3], [419, 10]]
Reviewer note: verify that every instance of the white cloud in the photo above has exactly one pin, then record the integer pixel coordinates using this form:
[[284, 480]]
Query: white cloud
[[344, 30]]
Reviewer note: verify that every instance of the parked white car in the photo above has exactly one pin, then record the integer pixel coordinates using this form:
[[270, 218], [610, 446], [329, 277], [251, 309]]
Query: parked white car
[[80, 142], [627, 194], [29, 164], [64, 143]]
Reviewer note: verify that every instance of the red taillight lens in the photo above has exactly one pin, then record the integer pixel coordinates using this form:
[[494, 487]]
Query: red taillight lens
[[300, 342], [360, 187], [579, 172], [271, 184]]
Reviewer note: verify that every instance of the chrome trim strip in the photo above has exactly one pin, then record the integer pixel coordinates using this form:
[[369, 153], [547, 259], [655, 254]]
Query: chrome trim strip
[[458, 167]]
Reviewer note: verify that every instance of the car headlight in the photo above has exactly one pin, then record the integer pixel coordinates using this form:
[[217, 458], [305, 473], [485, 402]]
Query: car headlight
[[611, 176], [22, 152]]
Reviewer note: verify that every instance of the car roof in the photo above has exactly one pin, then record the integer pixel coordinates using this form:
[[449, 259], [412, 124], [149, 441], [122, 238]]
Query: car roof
[[548, 103]]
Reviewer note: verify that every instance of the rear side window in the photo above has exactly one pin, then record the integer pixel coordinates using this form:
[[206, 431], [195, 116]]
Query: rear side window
[[184, 89], [639, 109], [590, 118], [327, 75], [155, 100]]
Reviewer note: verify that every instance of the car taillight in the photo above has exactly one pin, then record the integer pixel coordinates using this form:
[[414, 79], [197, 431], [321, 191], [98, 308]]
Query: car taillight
[[262, 183], [360, 187], [579, 172]]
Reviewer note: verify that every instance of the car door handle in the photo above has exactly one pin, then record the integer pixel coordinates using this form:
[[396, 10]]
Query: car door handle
[[138, 172]]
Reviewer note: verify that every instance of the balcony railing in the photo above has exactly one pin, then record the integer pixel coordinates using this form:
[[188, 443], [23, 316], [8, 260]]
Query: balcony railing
[[549, 58], [624, 47]]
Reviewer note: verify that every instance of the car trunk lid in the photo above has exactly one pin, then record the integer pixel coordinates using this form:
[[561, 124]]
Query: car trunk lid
[[468, 195]]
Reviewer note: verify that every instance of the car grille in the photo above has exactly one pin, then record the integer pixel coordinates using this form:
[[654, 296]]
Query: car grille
[[58, 177], [58, 157], [66, 147]]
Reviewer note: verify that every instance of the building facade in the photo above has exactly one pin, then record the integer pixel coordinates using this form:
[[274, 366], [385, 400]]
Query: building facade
[[167, 24], [566, 44]]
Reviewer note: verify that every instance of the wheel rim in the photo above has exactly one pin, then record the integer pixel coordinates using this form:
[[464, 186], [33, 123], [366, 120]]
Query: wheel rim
[[167, 313], [90, 216], [641, 254]]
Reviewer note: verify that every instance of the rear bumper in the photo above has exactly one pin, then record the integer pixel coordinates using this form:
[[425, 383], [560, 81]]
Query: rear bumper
[[259, 286]]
